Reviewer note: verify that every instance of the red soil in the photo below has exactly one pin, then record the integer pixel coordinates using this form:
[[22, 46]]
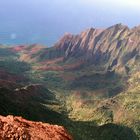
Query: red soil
[[18, 48], [52, 65], [53, 61], [17, 128]]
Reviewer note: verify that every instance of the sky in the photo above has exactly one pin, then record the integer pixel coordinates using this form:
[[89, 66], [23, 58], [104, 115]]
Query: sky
[[45, 21]]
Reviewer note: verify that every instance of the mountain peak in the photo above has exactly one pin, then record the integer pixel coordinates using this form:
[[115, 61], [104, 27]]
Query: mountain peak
[[118, 26], [93, 30], [101, 45], [136, 28]]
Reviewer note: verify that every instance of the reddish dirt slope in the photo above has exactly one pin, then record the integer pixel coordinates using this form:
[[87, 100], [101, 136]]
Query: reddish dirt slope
[[18, 48], [52, 66], [17, 128]]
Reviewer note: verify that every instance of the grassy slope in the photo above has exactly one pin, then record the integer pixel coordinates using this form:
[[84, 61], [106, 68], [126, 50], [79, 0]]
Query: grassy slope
[[119, 114], [85, 112]]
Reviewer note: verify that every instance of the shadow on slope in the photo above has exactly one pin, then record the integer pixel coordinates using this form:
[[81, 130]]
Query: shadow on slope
[[30, 102], [112, 82], [89, 131]]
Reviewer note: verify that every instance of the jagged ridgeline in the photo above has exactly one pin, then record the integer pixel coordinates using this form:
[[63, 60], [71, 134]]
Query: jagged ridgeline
[[89, 83], [96, 59], [111, 48]]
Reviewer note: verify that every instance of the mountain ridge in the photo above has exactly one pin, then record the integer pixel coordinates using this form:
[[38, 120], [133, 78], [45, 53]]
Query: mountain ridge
[[85, 82], [112, 48]]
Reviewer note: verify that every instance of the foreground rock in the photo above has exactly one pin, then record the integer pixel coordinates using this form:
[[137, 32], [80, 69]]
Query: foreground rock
[[17, 128]]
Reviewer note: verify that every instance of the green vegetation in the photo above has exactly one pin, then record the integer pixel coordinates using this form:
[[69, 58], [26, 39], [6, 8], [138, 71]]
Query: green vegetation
[[91, 103], [6, 52], [14, 66]]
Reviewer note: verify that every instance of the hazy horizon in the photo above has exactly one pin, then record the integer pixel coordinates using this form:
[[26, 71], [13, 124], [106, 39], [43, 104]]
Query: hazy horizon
[[44, 21]]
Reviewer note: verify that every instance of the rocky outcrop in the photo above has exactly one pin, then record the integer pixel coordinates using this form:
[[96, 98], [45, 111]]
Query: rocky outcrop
[[17, 128], [113, 47]]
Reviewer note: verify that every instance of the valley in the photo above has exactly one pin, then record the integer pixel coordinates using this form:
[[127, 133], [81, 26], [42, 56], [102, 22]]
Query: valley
[[89, 83]]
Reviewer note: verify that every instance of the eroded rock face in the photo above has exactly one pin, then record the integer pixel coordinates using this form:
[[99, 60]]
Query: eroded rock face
[[112, 48], [17, 128]]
